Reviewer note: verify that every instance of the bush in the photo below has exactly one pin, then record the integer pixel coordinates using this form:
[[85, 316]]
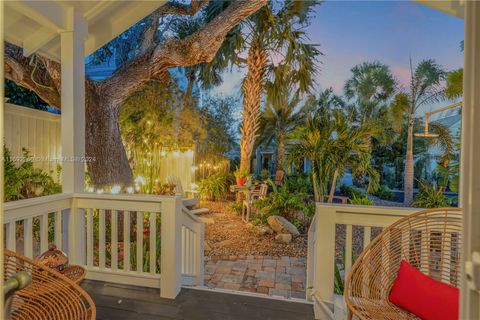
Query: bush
[[236, 207], [283, 202], [214, 187], [299, 183], [363, 201], [25, 181], [430, 196], [351, 191], [384, 193]]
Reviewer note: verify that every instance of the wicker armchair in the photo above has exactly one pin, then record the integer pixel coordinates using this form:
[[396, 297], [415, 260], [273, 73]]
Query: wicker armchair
[[430, 240], [50, 295]]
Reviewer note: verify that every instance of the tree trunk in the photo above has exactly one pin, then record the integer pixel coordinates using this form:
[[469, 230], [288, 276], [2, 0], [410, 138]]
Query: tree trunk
[[252, 92], [332, 188], [316, 192], [408, 180], [280, 152], [103, 142]]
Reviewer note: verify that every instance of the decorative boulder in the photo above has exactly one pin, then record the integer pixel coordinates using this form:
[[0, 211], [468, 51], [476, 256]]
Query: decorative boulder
[[284, 237], [281, 225], [263, 230]]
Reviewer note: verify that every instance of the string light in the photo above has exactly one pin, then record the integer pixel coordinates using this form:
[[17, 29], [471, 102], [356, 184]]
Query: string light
[[100, 191], [115, 189], [130, 190], [90, 189]]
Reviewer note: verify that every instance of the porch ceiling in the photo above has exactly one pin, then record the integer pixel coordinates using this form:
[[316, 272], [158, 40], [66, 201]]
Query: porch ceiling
[[36, 25], [454, 8]]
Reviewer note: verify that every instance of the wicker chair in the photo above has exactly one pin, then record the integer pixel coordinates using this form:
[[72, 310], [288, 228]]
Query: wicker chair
[[430, 240], [50, 295]]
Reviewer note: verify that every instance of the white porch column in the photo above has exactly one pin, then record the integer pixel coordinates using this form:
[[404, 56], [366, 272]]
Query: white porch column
[[470, 157], [73, 128], [73, 104]]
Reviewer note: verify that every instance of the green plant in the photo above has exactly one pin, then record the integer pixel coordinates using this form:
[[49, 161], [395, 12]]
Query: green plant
[[364, 201], [351, 191], [264, 174], [214, 187], [235, 207], [299, 182], [283, 202], [430, 196], [26, 181], [241, 173], [383, 193]]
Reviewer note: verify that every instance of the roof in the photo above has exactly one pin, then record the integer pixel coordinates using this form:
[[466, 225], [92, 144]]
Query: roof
[[36, 25], [453, 8]]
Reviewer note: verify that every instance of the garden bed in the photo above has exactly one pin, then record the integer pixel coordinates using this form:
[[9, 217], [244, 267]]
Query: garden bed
[[227, 235]]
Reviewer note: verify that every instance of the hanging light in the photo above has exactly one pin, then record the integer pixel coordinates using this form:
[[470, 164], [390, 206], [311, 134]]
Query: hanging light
[[176, 154], [130, 190], [189, 153], [100, 191], [90, 189], [140, 180], [163, 153]]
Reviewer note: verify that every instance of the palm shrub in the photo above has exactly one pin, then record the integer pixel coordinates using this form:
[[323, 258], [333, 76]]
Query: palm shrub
[[351, 191], [214, 187], [430, 196], [362, 201]]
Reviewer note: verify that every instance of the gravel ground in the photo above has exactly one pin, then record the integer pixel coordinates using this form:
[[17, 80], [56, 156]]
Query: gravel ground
[[228, 235]]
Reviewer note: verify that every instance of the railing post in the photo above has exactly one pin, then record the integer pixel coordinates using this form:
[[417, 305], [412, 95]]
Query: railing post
[[199, 251], [323, 284], [171, 248], [76, 234]]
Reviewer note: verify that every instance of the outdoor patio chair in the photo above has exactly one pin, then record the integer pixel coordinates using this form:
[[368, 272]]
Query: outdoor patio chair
[[279, 177], [188, 202], [50, 295], [247, 205], [429, 240]]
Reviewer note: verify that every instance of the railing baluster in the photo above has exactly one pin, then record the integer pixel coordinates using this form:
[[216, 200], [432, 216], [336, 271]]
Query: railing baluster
[[101, 238], [11, 236], [44, 232], [153, 242], [28, 237], [367, 236], [348, 249], [58, 229], [126, 240], [139, 241], [114, 236], [192, 252], [184, 249], [90, 247]]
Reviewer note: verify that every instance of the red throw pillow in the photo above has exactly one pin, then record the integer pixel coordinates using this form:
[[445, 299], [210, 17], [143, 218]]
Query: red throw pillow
[[423, 296]]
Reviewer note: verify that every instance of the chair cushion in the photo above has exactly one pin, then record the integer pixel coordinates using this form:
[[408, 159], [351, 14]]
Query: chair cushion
[[423, 296]]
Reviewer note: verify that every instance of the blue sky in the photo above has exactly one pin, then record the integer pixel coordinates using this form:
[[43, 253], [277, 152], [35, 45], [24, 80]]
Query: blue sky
[[351, 32]]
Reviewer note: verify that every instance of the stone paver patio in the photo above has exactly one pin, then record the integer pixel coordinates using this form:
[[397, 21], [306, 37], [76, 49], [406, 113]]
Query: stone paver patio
[[275, 276]]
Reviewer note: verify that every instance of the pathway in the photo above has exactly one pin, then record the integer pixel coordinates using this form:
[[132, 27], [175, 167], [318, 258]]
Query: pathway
[[275, 276]]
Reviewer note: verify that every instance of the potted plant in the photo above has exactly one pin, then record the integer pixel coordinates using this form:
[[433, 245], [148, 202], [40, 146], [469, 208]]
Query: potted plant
[[241, 175]]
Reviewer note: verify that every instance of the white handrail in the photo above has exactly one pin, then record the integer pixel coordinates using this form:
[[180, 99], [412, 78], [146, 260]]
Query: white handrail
[[322, 241], [79, 225]]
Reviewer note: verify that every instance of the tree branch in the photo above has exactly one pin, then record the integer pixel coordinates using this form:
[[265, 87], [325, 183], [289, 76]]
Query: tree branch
[[197, 48], [173, 7], [37, 75]]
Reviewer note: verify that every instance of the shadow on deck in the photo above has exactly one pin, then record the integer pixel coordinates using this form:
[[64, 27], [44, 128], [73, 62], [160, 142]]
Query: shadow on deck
[[119, 302]]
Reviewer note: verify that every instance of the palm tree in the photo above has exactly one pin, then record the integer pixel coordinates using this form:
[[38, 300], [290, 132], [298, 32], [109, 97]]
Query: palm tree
[[332, 144], [425, 88], [272, 38]]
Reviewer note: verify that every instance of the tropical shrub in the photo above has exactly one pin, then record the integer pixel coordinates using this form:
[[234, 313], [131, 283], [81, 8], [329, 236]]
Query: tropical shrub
[[384, 193], [363, 201], [299, 183], [283, 202], [214, 187], [235, 207], [26, 181], [351, 191], [430, 196]]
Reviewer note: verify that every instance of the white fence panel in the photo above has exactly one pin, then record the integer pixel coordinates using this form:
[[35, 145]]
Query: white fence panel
[[35, 130]]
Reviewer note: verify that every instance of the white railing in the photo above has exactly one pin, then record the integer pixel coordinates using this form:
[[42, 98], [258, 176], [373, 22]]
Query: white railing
[[322, 245], [164, 249]]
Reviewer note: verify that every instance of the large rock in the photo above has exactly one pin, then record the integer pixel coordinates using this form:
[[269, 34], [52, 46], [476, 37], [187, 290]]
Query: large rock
[[263, 230], [281, 225], [284, 237]]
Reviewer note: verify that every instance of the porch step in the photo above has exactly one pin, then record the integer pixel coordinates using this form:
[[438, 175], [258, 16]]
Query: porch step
[[200, 211], [190, 202]]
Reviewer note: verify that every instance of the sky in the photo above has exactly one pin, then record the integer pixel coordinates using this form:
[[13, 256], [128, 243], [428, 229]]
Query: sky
[[351, 32]]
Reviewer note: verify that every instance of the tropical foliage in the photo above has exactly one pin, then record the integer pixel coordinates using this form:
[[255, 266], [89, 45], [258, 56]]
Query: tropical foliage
[[215, 187], [431, 196]]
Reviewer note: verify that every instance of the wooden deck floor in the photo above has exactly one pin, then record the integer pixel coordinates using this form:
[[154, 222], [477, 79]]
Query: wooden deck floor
[[118, 302]]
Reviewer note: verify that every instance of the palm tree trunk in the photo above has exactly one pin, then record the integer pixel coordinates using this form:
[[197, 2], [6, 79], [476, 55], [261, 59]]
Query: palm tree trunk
[[280, 152], [316, 192], [408, 179], [252, 91], [332, 188]]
